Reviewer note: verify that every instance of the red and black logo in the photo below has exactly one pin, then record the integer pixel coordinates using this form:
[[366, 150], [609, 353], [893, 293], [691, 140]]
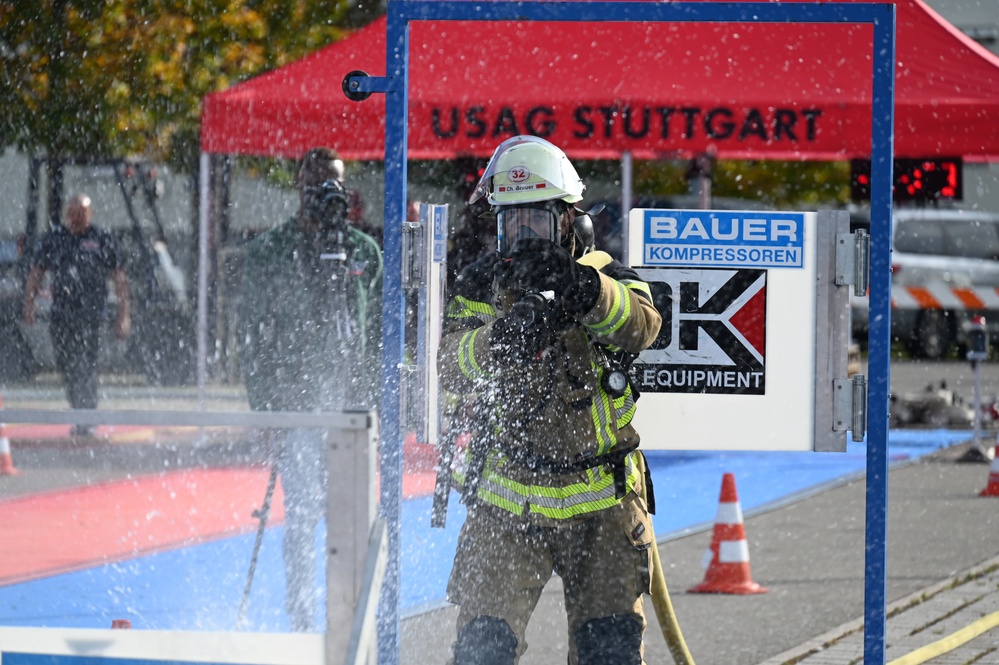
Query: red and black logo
[[713, 335]]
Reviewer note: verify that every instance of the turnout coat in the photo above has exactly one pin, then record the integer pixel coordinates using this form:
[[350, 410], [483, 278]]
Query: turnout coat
[[550, 443]]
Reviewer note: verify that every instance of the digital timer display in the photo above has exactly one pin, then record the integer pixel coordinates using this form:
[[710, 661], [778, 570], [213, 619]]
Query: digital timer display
[[930, 179]]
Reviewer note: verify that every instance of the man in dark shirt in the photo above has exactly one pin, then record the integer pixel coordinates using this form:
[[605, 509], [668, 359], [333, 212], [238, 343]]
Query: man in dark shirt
[[81, 258]]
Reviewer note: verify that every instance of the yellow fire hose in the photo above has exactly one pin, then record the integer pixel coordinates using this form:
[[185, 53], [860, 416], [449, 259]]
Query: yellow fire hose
[[660, 596]]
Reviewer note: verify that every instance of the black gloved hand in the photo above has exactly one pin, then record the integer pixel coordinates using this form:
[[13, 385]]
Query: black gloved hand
[[519, 336], [541, 265]]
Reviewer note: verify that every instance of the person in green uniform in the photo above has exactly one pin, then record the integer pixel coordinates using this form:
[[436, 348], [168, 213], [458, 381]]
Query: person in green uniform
[[309, 329]]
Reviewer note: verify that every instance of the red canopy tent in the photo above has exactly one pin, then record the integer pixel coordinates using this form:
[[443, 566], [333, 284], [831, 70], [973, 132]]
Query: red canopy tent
[[599, 90]]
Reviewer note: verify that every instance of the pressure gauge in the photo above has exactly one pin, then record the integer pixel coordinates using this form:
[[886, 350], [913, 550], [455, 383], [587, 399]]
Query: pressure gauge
[[615, 382]]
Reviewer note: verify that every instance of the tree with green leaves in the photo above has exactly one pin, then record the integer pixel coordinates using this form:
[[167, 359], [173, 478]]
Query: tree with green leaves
[[125, 78], [780, 183], [117, 78]]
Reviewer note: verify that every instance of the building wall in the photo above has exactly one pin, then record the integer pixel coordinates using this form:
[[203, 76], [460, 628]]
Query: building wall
[[978, 19]]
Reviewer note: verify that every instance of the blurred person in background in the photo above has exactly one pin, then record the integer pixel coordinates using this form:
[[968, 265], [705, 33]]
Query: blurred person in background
[[357, 219], [309, 329], [81, 257], [474, 238]]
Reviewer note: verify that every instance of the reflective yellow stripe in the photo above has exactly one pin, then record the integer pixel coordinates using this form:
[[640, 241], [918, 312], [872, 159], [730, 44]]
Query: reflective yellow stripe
[[556, 503], [463, 308], [464, 346], [620, 310], [466, 356], [636, 285], [600, 411], [492, 490], [624, 408], [499, 501]]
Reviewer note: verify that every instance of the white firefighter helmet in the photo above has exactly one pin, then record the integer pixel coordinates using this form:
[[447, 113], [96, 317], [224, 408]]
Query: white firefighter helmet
[[528, 169]]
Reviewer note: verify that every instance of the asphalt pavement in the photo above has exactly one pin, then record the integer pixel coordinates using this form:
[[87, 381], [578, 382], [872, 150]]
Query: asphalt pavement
[[943, 552]]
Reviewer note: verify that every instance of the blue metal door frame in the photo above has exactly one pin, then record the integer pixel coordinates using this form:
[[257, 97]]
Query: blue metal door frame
[[395, 85]]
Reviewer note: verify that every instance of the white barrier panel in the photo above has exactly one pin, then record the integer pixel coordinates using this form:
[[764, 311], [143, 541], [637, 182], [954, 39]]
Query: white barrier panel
[[735, 364], [354, 557], [57, 646]]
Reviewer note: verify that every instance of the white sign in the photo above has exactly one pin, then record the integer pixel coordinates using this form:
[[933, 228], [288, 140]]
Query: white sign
[[733, 367]]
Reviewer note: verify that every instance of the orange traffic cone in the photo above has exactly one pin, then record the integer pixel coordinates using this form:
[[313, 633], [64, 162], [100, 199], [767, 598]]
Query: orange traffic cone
[[727, 560], [7, 467], [6, 461], [992, 488]]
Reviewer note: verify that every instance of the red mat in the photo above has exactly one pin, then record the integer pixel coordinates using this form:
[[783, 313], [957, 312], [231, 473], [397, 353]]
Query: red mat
[[63, 531], [68, 530]]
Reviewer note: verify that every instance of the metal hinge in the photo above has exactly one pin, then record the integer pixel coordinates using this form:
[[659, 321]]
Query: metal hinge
[[850, 406], [412, 402], [853, 260], [414, 252]]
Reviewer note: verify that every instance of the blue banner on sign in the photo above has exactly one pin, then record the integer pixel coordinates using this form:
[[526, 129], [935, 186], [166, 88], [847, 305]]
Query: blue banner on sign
[[723, 238]]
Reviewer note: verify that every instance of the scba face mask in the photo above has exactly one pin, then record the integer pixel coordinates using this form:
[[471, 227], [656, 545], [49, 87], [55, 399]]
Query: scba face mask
[[540, 220], [518, 223], [327, 203]]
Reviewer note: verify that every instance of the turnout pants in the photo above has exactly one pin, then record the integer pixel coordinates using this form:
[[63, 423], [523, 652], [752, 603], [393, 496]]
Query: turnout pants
[[503, 563], [75, 344]]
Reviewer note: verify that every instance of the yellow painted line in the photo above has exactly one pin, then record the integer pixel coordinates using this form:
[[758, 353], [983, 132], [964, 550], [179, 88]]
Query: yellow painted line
[[133, 436], [949, 643], [145, 434]]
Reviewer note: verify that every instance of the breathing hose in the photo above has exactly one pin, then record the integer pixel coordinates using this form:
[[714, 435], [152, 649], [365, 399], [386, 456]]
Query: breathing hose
[[660, 594]]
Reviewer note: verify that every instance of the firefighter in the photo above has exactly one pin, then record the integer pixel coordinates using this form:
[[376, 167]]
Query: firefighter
[[309, 323], [543, 340]]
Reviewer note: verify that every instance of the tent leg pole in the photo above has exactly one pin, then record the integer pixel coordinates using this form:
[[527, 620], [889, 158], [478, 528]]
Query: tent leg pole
[[626, 199], [204, 203]]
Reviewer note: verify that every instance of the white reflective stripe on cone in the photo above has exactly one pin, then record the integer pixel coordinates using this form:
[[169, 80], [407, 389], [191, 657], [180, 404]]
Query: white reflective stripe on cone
[[729, 513], [733, 551]]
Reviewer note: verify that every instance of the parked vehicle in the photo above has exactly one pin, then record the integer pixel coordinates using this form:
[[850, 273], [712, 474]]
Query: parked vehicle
[[945, 270], [162, 344]]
